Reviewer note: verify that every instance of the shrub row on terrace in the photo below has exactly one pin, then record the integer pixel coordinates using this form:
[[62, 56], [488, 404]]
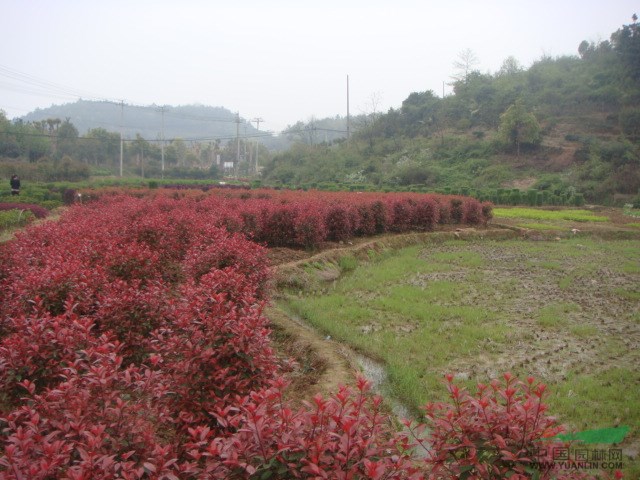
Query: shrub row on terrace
[[133, 345], [306, 219]]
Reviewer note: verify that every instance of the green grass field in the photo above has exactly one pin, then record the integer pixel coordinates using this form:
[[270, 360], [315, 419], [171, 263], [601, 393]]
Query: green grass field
[[538, 214], [566, 312]]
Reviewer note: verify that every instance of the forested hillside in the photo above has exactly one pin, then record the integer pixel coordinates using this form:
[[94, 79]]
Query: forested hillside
[[182, 121], [196, 123], [563, 124], [74, 141]]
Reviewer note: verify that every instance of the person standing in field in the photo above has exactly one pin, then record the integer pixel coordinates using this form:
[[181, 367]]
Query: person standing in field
[[15, 185]]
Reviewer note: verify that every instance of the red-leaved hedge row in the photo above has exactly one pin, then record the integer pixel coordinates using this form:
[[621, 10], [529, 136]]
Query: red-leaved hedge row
[[133, 345], [307, 218]]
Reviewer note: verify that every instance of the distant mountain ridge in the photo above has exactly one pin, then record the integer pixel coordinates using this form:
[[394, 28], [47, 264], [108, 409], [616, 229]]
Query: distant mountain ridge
[[189, 122]]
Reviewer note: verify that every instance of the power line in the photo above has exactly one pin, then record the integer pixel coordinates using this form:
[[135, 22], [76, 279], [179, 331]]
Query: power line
[[38, 86], [152, 140], [41, 87]]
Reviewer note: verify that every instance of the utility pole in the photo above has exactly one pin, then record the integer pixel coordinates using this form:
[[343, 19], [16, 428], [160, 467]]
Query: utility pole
[[257, 120], [237, 142], [348, 118], [162, 143], [121, 139], [245, 142]]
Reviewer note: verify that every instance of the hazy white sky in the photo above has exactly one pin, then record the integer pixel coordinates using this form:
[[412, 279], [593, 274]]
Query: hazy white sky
[[279, 60]]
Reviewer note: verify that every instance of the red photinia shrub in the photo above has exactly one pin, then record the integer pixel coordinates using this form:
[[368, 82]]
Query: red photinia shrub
[[131, 311], [402, 214], [216, 347], [346, 436], [380, 216], [503, 431], [427, 213], [37, 349], [340, 222], [456, 214], [310, 230], [367, 221], [283, 218], [100, 422], [471, 212], [278, 225]]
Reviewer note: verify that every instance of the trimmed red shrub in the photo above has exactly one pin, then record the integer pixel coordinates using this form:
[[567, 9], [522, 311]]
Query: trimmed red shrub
[[380, 216], [310, 229], [456, 212], [278, 225], [427, 214], [90, 426], [38, 348], [471, 212], [402, 214], [339, 223], [366, 220]]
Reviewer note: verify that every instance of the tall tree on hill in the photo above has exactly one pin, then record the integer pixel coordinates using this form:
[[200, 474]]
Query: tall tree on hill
[[464, 65], [626, 43], [67, 138], [519, 127]]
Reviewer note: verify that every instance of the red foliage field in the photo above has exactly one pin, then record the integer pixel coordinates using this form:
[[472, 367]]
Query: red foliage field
[[133, 345]]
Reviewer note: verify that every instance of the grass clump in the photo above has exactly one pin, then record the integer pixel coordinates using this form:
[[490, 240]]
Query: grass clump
[[10, 219], [348, 263], [556, 314]]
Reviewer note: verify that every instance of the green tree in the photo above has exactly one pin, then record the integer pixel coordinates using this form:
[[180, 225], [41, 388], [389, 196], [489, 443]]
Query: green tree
[[626, 43], [421, 113], [100, 147], [519, 127], [67, 138], [510, 66], [9, 146], [176, 152]]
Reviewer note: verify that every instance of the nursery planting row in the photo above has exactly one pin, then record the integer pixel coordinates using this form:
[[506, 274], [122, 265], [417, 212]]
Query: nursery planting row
[[133, 345], [306, 219]]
